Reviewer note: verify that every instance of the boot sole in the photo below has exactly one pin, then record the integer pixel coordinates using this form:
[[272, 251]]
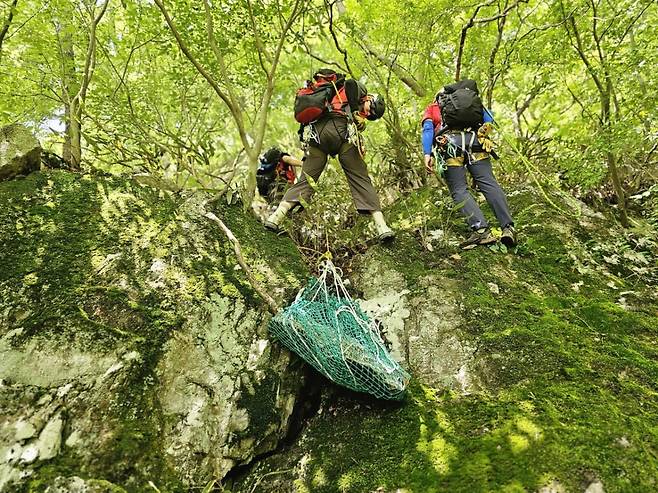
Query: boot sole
[[386, 237], [275, 228], [508, 242]]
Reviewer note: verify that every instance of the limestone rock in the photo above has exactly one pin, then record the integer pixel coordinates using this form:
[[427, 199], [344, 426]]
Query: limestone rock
[[129, 341], [50, 438], [554, 487], [595, 487], [519, 381], [425, 337], [75, 484], [20, 152]]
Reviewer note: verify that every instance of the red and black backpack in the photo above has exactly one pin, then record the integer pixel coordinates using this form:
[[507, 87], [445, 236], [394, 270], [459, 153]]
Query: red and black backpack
[[314, 99]]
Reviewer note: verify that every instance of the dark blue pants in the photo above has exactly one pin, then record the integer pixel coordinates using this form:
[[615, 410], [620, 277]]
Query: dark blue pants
[[485, 181]]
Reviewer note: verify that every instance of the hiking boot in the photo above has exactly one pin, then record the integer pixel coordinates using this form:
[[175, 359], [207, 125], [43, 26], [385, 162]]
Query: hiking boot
[[508, 238], [386, 236], [481, 236], [272, 226], [273, 223], [384, 233]]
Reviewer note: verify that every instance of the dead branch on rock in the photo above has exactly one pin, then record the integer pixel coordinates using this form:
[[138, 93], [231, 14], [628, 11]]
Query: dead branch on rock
[[271, 304]]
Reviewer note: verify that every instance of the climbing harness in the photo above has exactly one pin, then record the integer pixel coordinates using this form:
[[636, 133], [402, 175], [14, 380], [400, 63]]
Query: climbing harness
[[355, 138], [455, 148], [330, 331], [310, 134]]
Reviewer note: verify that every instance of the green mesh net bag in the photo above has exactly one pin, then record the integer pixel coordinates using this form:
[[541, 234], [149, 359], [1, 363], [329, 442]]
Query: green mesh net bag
[[328, 329]]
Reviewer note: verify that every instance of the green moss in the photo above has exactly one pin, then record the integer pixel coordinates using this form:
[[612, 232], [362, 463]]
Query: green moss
[[569, 377], [110, 267], [261, 405]]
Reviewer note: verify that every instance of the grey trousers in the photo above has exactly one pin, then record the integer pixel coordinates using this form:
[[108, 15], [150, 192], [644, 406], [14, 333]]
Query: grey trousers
[[332, 132], [485, 181]]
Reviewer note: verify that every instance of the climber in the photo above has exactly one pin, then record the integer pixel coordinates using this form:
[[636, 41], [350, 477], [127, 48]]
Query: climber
[[457, 127], [341, 110], [276, 171]]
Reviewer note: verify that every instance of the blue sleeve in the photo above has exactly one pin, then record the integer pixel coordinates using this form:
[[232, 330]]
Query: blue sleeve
[[428, 136], [488, 116]]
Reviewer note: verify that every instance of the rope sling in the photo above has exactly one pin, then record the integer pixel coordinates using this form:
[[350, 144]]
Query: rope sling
[[328, 330]]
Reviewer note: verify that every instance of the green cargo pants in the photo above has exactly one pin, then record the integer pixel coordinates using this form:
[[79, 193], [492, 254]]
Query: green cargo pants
[[332, 136]]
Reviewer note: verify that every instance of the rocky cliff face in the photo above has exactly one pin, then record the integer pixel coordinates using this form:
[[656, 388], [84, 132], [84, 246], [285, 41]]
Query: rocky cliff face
[[534, 370], [134, 355], [132, 350]]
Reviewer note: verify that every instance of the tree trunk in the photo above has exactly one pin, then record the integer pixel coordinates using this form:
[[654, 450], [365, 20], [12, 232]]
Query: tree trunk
[[619, 190], [606, 96], [71, 147], [75, 132]]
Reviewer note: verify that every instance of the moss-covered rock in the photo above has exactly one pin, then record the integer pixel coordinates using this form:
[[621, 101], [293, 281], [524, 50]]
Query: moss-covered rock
[[20, 152], [534, 370], [132, 349]]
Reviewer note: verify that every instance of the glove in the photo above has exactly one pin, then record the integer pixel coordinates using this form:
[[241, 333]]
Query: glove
[[484, 130], [359, 121], [483, 136], [487, 144], [429, 164]]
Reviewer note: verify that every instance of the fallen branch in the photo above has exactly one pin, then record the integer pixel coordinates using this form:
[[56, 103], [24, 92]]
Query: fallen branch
[[271, 304]]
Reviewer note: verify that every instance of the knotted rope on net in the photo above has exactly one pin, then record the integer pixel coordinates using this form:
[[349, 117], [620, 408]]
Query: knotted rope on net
[[328, 330]]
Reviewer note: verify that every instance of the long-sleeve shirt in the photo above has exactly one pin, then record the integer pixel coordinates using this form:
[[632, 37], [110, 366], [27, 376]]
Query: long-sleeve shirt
[[350, 97], [432, 123]]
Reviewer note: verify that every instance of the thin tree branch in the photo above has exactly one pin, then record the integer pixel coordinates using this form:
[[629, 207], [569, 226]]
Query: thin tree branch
[[462, 39], [499, 15], [212, 41], [261, 119], [330, 7], [310, 53], [630, 26], [492, 59], [581, 51], [5, 27], [584, 109], [260, 48], [235, 112], [401, 73], [472, 21], [271, 304], [90, 60]]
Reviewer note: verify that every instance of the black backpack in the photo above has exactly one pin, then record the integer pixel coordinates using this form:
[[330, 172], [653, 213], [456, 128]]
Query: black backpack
[[461, 106], [266, 172]]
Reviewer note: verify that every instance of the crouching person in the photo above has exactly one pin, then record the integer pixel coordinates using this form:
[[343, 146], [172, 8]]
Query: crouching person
[[456, 127], [276, 172], [336, 132]]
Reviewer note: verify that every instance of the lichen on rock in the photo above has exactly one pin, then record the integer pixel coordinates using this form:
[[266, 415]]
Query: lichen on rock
[[129, 340]]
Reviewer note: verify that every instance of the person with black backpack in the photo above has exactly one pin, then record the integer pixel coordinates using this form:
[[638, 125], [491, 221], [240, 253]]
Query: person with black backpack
[[456, 129], [332, 111], [276, 172]]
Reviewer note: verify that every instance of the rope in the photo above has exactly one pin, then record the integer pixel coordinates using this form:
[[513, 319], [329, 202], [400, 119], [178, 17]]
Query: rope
[[533, 172]]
